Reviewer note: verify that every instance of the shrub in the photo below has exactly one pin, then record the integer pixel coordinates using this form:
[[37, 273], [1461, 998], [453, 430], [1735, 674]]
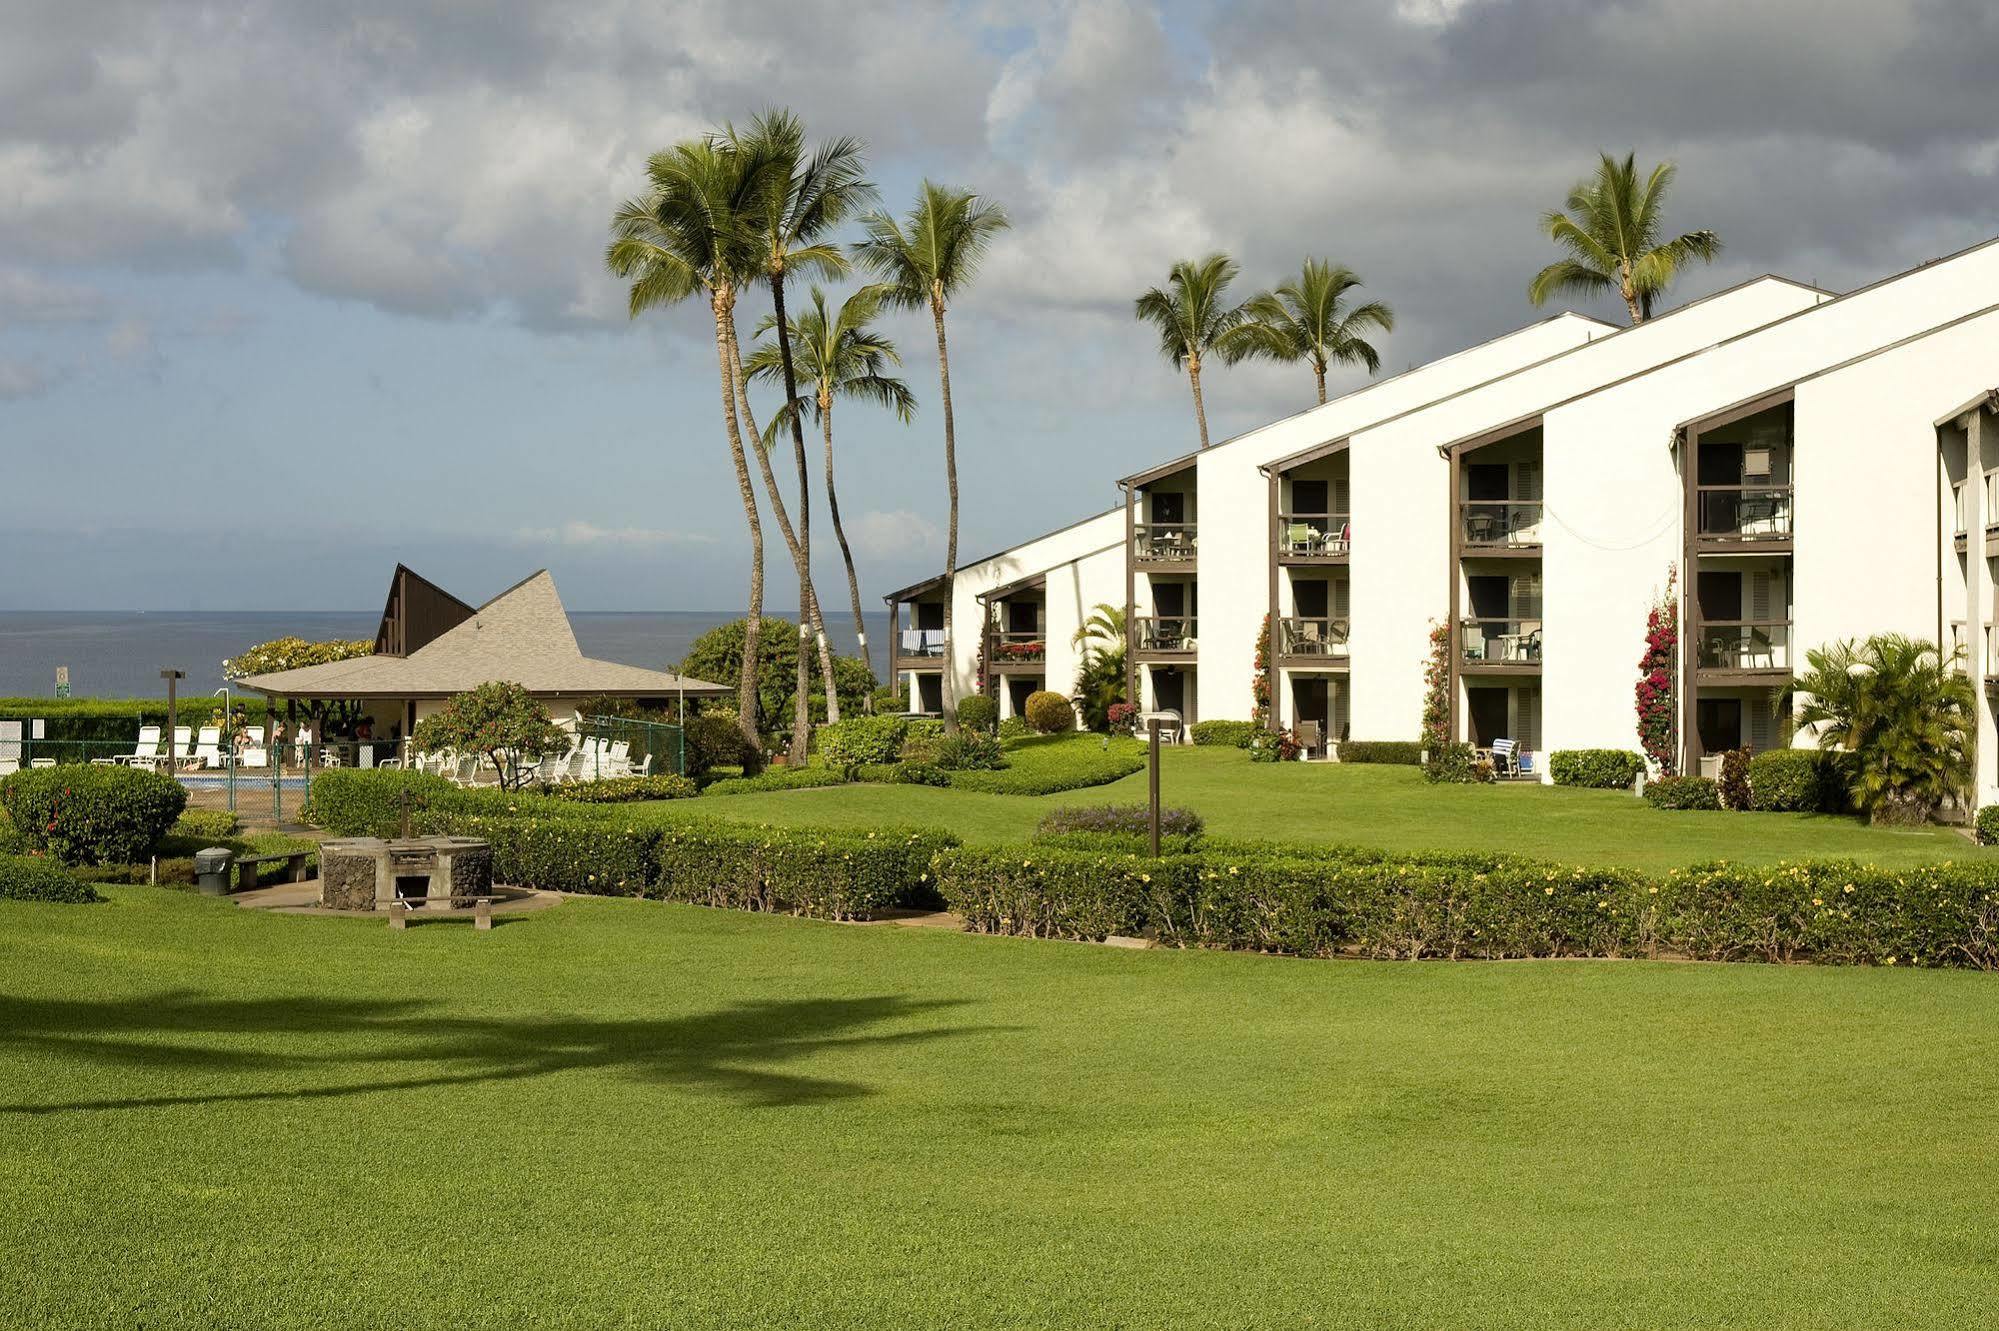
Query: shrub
[[114, 722], [1274, 746], [916, 774], [1049, 713], [500, 720], [1227, 734], [1906, 711], [1399, 752], [628, 789], [1047, 892], [31, 878], [208, 825], [829, 875], [919, 742], [1013, 728], [11, 840], [1121, 718], [978, 712], [1986, 825], [1458, 764], [1596, 769], [348, 802], [968, 751], [1797, 781], [1047, 764], [1126, 827], [889, 699], [1732, 787], [83, 814], [714, 738], [778, 778], [862, 739], [1683, 792]]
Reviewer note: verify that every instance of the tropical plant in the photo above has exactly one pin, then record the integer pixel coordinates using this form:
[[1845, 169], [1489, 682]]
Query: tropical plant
[[1192, 315], [718, 653], [805, 195], [687, 234], [1611, 233], [1101, 682], [924, 262], [1435, 733], [500, 720], [1306, 319], [1103, 631], [1655, 696], [841, 356], [1904, 711]]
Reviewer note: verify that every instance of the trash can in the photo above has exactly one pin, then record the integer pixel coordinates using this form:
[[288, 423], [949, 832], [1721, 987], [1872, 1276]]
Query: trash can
[[211, 871]]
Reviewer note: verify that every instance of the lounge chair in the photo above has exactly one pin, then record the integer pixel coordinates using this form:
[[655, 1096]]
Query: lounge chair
[[253, 753], [181, 752], [1504, 760], [145, 753], [208, 748]]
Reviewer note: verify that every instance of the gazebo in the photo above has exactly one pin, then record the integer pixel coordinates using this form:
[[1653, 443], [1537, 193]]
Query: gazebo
[[431, 646]]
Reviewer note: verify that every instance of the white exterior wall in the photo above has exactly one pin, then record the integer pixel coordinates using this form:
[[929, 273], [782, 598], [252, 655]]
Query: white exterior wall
[[1234, 500], [1613, 489], [1402, 492]]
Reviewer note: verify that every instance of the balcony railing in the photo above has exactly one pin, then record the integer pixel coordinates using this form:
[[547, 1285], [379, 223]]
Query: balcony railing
[[1314, 535], [917, 644], [1305, 636], [1165, 633], [1015, 645], [1744, 512], [1501, 524], [1163, 542], [1501, 641], [1745, 644]]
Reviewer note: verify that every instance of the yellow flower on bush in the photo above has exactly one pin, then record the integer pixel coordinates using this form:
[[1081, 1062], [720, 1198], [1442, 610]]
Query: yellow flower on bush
[[1548, 891]]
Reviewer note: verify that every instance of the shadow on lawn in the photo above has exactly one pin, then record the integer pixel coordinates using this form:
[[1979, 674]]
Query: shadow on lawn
[[723, 1051]]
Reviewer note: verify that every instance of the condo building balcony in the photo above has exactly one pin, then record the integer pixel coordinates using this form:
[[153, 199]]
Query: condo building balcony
[[1742, 645], [1314, 538], [1500, 526], [1015, 647], [1320, 638], [920, 646], [1163, 544], [1743, 515], [1508, 644], [1164, 635]]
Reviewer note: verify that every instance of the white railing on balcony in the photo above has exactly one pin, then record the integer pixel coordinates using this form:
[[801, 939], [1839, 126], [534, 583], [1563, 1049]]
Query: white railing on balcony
[[1745, 644], [1163, 542], [1500, 641], [1309, 636], [1314, 535], [1164, 633], [1501, 523]]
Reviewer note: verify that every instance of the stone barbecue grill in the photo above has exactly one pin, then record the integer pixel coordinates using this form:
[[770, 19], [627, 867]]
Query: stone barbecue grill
[[370, 873]]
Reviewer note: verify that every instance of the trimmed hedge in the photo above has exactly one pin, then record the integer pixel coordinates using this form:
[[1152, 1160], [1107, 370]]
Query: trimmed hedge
[[1226, 734], [778, 778], [1595, 769], [1986, 825], [1338, 902], [978, 712], [862, 739], [1398, 752], [85, 814], [1120, 821], [1047, 766], [351, 802], [31, 878], [1799, 781], [824, 874], [1683, 792], [116, 721], [628, 789], [206, 825], [916, 774]]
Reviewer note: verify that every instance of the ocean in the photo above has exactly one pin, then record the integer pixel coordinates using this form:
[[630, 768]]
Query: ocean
[[120, 654]]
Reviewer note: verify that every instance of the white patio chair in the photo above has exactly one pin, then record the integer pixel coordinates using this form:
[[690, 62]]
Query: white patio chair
[[208, 748], [1504, 762], [644, 768], [466, 773], [254, 753], [145, 753], [181, 752]]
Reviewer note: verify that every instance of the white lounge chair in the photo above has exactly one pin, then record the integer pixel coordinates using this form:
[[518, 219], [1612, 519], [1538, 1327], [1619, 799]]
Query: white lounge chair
[[1504, 763], [145, 753], [208, 748], [181, 752], [253, 753]]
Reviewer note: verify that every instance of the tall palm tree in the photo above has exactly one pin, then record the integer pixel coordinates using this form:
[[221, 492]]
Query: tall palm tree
[[1191, 314], [1306, 319], [842, 356], [806, 195], [1611, 233], [924, 261], [682, 236]]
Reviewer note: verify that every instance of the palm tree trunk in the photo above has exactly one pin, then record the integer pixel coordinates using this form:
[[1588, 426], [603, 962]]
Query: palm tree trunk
[[807, 596], [1319, 376], [840, 534], [1200, 411], [746, 681], [950, 685]]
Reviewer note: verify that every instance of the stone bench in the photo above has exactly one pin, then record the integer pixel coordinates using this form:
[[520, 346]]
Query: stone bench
[[246, 872], [400, 910]]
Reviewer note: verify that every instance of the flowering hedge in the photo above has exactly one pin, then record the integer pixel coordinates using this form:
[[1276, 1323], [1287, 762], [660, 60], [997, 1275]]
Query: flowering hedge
[[1658, 709], [88, 814], [1345, 901]]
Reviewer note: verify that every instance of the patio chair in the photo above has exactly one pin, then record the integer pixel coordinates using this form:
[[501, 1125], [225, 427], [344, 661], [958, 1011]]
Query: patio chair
[[254, 754], [1311, 738], [145, 753], [1504, 760], [1479, 527], [466, 772], [1530, 645], [1301, 538], [208, 748], [1309, 641], [181, 752]]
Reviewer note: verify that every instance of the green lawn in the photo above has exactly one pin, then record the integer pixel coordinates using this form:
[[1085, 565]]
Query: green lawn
[[626, 1114], [1392, 807]]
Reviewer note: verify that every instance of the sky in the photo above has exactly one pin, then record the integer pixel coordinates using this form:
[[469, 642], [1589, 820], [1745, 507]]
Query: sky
[[292, 292]]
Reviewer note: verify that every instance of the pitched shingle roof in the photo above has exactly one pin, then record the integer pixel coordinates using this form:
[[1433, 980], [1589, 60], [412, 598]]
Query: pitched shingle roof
[[522, 636]]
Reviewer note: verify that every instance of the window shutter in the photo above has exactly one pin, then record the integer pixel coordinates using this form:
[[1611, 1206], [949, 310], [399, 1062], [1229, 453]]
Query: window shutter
[[1759, 597], [1525, 596], [1527, 481], [1530, 718], [1342, 493], [1342, 606], [1339, 709], [1759, 723]]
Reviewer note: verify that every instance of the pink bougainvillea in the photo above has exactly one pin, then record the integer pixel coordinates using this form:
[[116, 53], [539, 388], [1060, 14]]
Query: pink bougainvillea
[[1259, 680], [1656, 696], [1436, 736]]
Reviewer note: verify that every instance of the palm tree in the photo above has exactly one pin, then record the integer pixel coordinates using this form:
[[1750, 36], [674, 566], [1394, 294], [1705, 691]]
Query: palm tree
[[924, 261], [1305, 319], [685, 235], [1102, 632], [1100, 675], [1611, 233], [1191, 317], [1906, 713], [842, 357], [804, 197]]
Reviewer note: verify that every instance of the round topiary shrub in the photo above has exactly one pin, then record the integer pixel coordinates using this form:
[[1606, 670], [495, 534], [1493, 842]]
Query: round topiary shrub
[[92, 814], [1049, 712], [714, 738], [979, 713], [1986, 825]]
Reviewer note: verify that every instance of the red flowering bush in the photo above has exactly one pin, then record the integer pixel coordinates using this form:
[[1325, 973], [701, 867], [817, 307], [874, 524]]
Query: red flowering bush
[[1436, 736], [1259, 680], [1123, 717], [1657, 701]]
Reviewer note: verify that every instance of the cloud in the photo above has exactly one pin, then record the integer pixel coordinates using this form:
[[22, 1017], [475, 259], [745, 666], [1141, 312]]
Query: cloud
[[29, 297], [20, 380], [883, 535], [588, 534]]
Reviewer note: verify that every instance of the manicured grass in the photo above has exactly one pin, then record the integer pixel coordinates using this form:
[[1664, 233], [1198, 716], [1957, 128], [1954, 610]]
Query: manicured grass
[[1391, 807], [624, 1113]]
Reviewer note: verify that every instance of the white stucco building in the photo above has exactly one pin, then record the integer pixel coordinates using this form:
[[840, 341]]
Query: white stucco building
[[1796, 459]]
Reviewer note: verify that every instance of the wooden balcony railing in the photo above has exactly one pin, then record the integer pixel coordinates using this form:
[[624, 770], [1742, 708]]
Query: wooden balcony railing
[[919, 644], [1164, 633], [1163, 542], [1500, 524], [1500, 641], [1308, 636], [1745, 644], [1744, 512]]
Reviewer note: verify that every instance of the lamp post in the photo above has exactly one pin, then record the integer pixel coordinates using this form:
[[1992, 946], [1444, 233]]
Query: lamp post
[[173, 678], [1152, 739]]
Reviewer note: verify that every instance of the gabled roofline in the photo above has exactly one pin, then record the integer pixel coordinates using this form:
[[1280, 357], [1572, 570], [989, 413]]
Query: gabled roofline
[[1987, 400], [492, 600], [1305, 456], [904, 593]]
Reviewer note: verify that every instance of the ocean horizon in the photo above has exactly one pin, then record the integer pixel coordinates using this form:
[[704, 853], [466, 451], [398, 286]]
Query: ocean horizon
[[119, 654]]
